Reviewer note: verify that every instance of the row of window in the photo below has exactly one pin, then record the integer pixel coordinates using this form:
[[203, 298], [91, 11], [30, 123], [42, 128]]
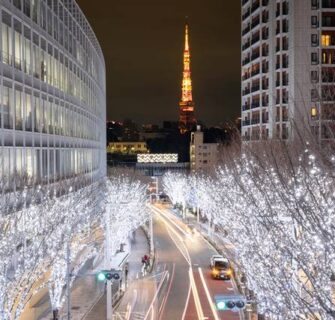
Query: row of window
[[39, 59], [23, 110], [57, 20], [46, 165]]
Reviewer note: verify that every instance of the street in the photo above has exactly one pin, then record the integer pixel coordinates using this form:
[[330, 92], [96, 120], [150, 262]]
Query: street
[[188, 291]]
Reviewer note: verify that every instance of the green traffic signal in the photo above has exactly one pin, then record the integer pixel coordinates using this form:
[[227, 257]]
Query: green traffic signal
[[101, 276], [221, 305]]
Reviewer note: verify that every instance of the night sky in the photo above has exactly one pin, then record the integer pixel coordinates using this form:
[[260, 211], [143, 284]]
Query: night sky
[[142, 41]]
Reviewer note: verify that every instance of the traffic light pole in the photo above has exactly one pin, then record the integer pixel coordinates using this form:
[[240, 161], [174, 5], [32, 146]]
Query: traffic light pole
[[109, 304]]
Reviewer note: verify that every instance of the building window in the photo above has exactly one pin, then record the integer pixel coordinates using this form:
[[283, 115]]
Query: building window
[[314, 58], [6, 44], [314, 95], [314, 21], [325, 40], [17, 4], [314, 112], [314, 4], [314, 40], [314, 76]]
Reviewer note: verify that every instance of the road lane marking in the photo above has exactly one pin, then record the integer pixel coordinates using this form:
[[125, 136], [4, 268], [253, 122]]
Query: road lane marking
[[209, 298], [196, 297], [187, 301], [161, 309], [185, 254], [160, 212], [155, 296]]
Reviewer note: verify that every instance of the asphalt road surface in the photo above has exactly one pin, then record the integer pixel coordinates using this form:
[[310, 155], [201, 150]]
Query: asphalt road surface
[[180, 286]]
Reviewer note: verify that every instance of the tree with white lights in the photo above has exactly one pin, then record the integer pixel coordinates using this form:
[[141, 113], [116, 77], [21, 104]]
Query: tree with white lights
[[43, 232], [277, 204]]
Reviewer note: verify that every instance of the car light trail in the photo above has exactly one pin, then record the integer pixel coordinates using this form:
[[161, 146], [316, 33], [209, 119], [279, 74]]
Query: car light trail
[[197, 302], [187, 301]]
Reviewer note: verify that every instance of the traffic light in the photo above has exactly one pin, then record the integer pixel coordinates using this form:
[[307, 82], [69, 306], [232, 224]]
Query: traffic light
[[230, 302], [104, 275]]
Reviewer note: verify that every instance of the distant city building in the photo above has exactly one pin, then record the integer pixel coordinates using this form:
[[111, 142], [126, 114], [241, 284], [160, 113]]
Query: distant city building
[[127, 147], [114, 131], [186, 105], [288, 67], [152, 131], [170, 126], [131, 131], [52, 120], [203, 156]]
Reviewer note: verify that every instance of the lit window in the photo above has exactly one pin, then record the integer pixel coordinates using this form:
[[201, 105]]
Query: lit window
[[325, 39], [314, 112]]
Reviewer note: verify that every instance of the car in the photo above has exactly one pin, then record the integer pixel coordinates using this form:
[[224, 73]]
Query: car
[[220, 268]]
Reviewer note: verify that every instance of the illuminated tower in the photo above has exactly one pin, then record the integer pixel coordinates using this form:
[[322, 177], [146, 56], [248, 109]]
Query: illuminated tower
[[186, 105]]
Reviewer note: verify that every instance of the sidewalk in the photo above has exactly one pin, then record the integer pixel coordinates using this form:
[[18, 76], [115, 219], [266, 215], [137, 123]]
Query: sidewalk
[[88, 300], [139, 247]]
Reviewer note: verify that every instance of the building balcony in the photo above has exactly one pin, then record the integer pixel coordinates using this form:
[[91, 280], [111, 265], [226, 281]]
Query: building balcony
[[265, 35], [246, 123], [255, 121], [246, 76], [255, 23], [246, 15], [246, 45], [246, 91], [246, 106], [265, 53], [255, 105], [255, 39], [265, 18], [265, 69], [255, 88], [245, 60], [265, 103], [246, 30], [255, 6], [255, 56], [254, 72]]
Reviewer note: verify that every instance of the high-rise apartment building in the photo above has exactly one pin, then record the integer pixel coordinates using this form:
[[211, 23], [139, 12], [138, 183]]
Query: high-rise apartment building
[[203, 156], [288, 67], [52, 93]]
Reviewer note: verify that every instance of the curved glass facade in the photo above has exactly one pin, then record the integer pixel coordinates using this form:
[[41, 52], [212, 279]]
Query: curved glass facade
[[52, 93]]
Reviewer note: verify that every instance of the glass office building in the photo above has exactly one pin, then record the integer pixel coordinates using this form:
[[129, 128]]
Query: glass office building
[[52, 93]]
